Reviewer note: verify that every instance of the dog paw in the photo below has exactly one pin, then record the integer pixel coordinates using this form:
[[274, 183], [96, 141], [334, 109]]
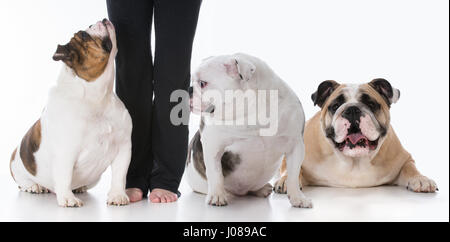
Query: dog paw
[[280, 185], [35, 188], [300, 202], [82, 189], [69, 201], [217, 199], [421, 184], [118, 199], [265, 191]]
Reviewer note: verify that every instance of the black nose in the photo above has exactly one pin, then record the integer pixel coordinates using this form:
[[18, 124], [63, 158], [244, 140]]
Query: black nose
[[352, 113], [191, 91], [104, 20]]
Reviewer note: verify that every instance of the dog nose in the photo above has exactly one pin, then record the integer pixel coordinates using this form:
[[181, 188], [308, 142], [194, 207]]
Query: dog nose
[[352, 113], [191, 91], [352, 110]]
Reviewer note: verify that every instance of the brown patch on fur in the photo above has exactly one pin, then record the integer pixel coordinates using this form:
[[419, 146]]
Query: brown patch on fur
[[283, 167], [324, 118], [391, 150], [334, 95], [316, 145], [383, 115], [85, 54], [13, 157], [324, 90], [30, 144]]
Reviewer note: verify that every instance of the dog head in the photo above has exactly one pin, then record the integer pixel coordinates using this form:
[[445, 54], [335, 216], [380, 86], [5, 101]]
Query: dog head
[[215, 76], [355, 118], [89, 51]]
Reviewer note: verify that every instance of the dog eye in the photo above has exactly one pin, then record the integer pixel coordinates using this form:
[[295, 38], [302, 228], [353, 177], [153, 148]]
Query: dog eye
[[85, 35], [371, 105], [335, 107], [202, 83]]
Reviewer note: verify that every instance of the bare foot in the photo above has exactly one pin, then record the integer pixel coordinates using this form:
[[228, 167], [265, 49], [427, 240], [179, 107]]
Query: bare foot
[[135, 194], [162, 196]]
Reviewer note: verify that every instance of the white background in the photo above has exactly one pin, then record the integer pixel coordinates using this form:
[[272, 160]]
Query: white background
[[305, 42]]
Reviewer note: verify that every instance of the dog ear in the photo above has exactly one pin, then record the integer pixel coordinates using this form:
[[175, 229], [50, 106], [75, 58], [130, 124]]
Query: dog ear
[[240, 69], [323, 92], [246, 69], [384, 88], [63, 54]]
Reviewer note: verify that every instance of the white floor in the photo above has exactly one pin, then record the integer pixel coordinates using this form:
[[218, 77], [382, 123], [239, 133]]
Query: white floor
[[330, 204]]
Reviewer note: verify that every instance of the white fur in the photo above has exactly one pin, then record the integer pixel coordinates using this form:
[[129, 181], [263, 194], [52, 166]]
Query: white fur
[[85, 129], [368, 128], [260, 155], [396, 95], [341, 126]]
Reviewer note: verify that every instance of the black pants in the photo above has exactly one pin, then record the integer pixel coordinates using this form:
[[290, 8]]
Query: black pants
[[159, 148]]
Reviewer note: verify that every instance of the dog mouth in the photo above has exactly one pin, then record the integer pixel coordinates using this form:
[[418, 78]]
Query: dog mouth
[[356, 140], [209, 109]]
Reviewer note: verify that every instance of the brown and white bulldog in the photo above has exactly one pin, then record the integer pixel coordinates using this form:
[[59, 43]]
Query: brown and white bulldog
[[84, 128], [350, 142]]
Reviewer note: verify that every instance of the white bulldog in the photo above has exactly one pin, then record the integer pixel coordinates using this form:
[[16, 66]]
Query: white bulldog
[[84, 127], [230, 153]]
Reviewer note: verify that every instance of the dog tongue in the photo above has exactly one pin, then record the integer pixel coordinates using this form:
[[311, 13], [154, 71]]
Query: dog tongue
[[354, 138]]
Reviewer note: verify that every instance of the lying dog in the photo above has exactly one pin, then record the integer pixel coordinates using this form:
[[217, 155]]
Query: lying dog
[[350, 143], [84, 127], [238, 158]]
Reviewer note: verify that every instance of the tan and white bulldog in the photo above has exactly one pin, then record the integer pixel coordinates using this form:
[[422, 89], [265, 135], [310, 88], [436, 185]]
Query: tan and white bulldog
[[84, 127], [350, 142]]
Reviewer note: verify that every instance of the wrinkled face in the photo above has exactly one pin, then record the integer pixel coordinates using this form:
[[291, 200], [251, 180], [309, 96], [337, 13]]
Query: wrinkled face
[[356, 118], [88, 51], [214, 77]]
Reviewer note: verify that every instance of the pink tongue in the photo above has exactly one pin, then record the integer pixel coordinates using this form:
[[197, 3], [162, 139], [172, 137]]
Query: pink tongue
[[354, 138]]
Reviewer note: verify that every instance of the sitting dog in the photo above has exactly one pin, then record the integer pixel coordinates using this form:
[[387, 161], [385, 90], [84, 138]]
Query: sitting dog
[[240, 158], [84, 127], [350, 142]]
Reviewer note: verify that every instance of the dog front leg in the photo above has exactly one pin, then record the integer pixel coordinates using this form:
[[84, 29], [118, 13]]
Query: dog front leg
[[62, 176], [294, 162], [212, 152], [119, 168], [411, 178], [280, 185]]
